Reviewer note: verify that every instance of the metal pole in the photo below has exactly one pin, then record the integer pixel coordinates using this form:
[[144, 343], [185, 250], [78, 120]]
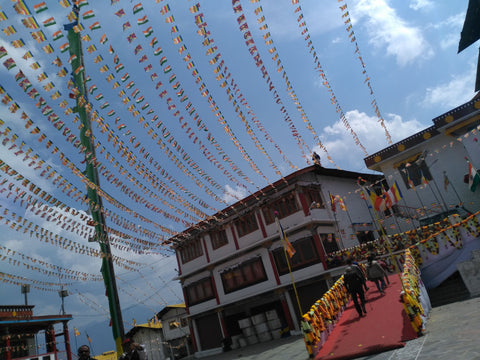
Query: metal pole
[[95, 201]]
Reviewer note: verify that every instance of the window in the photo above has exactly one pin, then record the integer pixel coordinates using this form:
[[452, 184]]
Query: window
[[415, 171], [329, 243], [184, 322], [199, 291], [285, 206], [218, 239], [246, 274], [313, 197], [191, 251], [306, 254], [246, 224], [173, 324]]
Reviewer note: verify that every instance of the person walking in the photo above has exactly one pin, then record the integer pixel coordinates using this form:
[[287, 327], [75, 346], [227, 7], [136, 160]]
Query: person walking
[[84, 353], [361, 272], [354, 285], [133, 350], [376, 274]]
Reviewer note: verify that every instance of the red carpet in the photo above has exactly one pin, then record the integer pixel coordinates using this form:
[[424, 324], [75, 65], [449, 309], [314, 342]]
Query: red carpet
[[385, 327]]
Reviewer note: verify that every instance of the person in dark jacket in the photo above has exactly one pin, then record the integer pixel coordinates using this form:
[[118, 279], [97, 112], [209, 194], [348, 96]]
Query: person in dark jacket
[[356, 266], [133, 351], [354, 285], [84, 353]]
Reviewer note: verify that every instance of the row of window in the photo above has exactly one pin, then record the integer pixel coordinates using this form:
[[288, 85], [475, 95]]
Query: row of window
[[283, 207], [253, 271]]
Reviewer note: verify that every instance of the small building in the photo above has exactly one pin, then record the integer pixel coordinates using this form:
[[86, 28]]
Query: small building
[[176, 330], [233, 270], [20, 331], [150, 336]]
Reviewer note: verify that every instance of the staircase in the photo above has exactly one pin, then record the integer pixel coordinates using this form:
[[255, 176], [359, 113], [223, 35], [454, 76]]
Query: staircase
[[451, 290]]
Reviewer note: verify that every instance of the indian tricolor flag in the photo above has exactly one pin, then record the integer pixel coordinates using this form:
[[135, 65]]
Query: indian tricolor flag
[[57, 35], [94, 26], [137, 8], [473, 177], [148, 32], [81, 3], [158, 51], [40, 7], [142, 20], [64, 47], [88, 14], [49, 22]]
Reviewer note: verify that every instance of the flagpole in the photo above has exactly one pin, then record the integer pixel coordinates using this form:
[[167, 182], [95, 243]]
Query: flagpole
[[91, 345], [438, 190], [425, 184], [283, 239], [371, 216], [335, 218], [75, 333], [460, 202]]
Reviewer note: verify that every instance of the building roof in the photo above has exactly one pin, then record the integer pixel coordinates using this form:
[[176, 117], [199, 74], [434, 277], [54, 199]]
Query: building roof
[[170, 307], [19, 319], [154, 325], [264, 193], [449, 123]]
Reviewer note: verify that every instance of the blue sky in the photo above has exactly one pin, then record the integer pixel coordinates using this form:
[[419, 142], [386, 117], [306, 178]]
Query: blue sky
[[409, 52]]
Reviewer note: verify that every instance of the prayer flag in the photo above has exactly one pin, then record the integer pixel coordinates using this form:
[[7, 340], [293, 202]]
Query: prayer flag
[[393, 195], [332, 203], [286, 244], [120, 13], [165, 9]]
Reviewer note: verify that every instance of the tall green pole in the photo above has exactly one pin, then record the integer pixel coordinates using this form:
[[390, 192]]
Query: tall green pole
[[95, 201]]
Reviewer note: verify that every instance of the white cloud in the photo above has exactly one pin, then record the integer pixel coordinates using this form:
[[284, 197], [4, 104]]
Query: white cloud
[[421, 4], [347, 154], [456, 91], [387, 30], [233, 195]]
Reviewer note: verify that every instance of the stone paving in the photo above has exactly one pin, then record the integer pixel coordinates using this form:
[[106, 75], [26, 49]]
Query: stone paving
[[452, 333]]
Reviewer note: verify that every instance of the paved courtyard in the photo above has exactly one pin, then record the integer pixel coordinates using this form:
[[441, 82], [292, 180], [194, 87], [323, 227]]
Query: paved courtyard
[[452, 333]]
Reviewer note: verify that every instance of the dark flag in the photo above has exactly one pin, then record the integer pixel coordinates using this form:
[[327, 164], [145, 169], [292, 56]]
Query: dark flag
[[471, 30]]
